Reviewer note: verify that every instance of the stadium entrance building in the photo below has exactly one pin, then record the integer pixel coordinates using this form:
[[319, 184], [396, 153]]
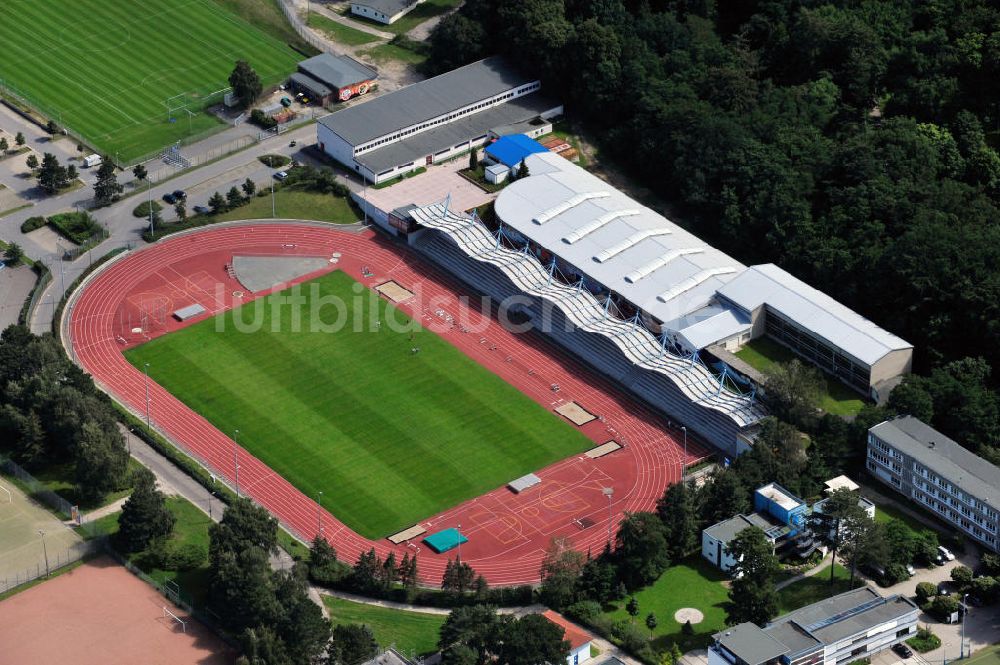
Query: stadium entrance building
[[433, 120], [639, 297], [327, 78]]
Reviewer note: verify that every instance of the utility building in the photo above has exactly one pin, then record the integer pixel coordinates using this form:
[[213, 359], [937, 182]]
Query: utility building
[[433, 120]]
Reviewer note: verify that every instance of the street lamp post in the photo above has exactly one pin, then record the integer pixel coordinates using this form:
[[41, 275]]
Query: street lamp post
[[609, 492], [319, 513], [45, 551], [128, 440], [460, 542], [273, 211], [145, 369], [236, 460], [685, 460], [965, 612]]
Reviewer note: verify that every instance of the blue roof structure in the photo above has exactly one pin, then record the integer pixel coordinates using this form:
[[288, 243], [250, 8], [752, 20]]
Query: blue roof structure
[[511, 150]]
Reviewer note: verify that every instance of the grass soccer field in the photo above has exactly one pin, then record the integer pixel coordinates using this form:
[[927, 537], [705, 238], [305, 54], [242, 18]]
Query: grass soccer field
[[389, 436], [106, 69]]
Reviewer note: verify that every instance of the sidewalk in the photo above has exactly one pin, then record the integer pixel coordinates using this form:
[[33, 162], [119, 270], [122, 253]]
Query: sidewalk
[[819, 568]]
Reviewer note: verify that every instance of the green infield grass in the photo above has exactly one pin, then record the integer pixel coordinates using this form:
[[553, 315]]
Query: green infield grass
[[107, 69], [389, 436]]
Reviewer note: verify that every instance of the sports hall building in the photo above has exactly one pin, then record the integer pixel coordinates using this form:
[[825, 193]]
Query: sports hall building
[[433, 120], [639, 298]]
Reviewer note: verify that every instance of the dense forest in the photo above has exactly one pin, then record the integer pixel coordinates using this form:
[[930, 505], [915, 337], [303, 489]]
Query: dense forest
[[852, 143]]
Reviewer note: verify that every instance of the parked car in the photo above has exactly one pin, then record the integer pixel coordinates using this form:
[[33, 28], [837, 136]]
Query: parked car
[[902, 650], [201, 210], [180, 194], [281, 175], [293, 144], [170, 198], [945, 553]]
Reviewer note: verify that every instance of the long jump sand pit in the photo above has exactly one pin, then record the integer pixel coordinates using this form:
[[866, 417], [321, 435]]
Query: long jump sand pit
[[100, 614]]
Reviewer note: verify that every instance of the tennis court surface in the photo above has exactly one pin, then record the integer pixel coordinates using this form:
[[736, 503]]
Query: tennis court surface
[[100, 614]]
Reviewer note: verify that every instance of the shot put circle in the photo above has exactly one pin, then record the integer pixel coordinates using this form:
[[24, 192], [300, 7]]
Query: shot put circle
[[686, 614]]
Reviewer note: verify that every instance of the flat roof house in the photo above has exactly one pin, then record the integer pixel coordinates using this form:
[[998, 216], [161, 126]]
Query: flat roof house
[[432, 120], [847, 627], [383, 11], [941, 475]]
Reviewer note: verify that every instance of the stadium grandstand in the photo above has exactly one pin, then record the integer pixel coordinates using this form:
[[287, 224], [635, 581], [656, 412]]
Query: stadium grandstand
[[640, 298]]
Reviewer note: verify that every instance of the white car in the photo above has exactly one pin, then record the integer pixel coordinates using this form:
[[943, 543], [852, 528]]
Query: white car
[[945, 553]]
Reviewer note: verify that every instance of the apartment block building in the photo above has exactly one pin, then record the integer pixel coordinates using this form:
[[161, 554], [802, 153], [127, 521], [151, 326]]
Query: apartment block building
[[847, 627], [936, 472]]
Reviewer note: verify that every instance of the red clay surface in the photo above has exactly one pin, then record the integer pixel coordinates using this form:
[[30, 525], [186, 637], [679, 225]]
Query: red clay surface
[[507, 533], [100, 614]]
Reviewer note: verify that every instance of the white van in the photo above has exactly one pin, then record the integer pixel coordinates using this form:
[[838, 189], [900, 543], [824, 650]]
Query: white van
[[91, 160]]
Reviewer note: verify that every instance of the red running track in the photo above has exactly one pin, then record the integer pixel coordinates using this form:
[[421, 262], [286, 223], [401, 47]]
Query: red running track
[[129, 302]]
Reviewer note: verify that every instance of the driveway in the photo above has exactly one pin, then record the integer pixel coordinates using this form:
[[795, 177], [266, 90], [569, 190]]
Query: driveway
[[15, 286], [435, 185]]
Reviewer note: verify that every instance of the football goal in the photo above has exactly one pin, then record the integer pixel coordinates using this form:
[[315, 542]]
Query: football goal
[[167, 613]]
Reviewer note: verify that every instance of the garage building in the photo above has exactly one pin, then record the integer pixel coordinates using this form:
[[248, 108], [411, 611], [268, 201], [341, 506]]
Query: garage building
[[383, 11], [433, 120], [328, 78]]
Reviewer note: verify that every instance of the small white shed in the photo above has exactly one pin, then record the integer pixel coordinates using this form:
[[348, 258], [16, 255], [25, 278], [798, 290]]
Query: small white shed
[[497, 174]]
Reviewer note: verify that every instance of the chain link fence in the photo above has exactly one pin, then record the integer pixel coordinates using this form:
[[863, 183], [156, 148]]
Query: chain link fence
[[303, 31]]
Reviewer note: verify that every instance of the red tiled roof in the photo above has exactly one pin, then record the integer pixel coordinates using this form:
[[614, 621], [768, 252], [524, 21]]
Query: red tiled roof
[[575, 636]]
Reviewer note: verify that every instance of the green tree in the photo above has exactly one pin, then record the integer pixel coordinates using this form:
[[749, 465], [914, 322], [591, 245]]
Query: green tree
[[723, 496], [181, 210], [632, 607], [144, 516], [522, 170], [925, 591], [911, 398], [473, 159], [233, 198], [13, 254], [678, 511], [793, 391], [641, 549], [71, 173], [262, 646], [24, 433], [352, 644], [51, 127], [244, 525], [459, 654], [366, 573], [4, 146], [241, 587], [139, 172], [300, 621], [19, 140], [249, 188], [471, 626], [407, 572], [245, 83], [561, 569], [458, 576], [864, 543], [51, 175], [962, 577], [217, 203], [752, 596], [529, 640], [31, 162], [323, 565], [101, 461], [598, 580], [106, 187], [651, 623]]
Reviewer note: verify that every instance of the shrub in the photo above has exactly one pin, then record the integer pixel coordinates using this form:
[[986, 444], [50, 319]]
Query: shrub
[[962, 576], [924, 641], [32, 223], [274, 161], [186, 557], [142, 210], [925, 591], [78, 227], [942, 607], [584, 610], [262, 120]]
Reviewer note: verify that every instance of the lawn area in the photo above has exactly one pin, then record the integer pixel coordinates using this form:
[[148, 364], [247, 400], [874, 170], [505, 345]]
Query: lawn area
[[190, 529], [266, 16], [386, 52], [292, 204], [137, 56], [763, 354], [986, 656], [815, 588], [422, 12], [411, 632], [338, 32], [887, 513], [691, 583], [390, 436]]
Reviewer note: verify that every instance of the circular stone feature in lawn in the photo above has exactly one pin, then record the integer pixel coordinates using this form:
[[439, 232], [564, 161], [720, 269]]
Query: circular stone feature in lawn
[[686, 614]]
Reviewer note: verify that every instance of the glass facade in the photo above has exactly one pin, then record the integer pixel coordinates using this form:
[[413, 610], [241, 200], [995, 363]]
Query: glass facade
[[818, 352]]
